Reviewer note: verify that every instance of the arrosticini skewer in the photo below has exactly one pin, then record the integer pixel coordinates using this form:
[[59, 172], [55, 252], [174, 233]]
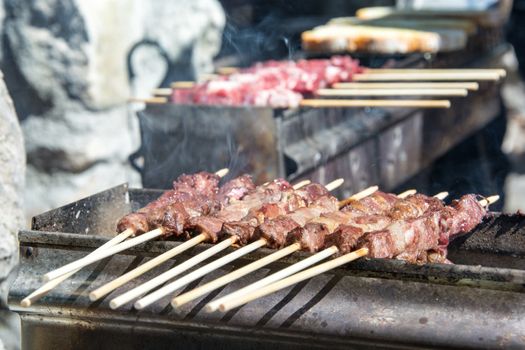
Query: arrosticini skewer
[[46, 288], [388, 206], [109, 287], [160, 293], [101, 254], [232, 276], [312, 272], [177, 270]]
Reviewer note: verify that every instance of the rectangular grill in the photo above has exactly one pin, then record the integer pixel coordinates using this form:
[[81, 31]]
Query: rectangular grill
[[479, 302], [365, 146]]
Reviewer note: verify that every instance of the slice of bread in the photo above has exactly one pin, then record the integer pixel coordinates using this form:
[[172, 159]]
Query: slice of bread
[[383, 40]]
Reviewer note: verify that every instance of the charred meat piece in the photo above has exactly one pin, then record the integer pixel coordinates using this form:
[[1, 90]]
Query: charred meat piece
[[376, 203], [277, 237], [290, 201], [370, 214], [191, 190], [176, 215], [237, 210], [184, 188], [408, 239], [236, 189]]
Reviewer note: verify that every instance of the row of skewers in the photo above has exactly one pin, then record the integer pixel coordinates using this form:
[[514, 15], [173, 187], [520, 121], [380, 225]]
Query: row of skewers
[[334, 82], [408, 226]]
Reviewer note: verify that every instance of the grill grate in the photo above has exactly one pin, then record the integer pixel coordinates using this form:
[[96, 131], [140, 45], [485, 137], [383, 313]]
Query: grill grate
[[384, 303]]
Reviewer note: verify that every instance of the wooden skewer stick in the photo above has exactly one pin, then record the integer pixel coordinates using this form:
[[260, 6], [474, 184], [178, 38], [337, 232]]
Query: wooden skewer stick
[[232, 276], [422, 76], [391, 92], [441, 195], [296, 278], [290, 270], [158, 260], [360, 195], [99, 255], [222, 172], [146, 287], [489, 200], [173, 286], [469, 85], [501, 72], [334, 184], [301, 184], [407, 193], [94, 257], [162, 92], [255, 265], [182, 84], [149, 100], [311, 272], [227, 70], [46, 288], [166, 276], [340, 103]]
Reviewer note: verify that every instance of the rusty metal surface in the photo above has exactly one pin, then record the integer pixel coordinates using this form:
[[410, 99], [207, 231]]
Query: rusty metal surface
[[370, 303]]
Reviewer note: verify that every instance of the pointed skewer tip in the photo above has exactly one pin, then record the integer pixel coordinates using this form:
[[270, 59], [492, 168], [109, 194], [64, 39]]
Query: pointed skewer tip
[[301, 184], [441, 195], [407, 193], [223, 172], [335, 184]]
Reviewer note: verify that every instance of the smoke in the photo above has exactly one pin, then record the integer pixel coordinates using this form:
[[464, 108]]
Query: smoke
[[266, 39]]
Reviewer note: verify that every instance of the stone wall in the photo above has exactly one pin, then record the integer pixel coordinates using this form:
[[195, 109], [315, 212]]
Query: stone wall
[[71, 66], [12, 159]]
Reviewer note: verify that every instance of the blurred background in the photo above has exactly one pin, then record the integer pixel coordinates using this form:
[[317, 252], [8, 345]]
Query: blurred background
[[76, 116]]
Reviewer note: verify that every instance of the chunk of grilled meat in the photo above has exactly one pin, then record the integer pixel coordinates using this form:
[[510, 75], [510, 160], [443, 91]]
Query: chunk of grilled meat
[[413, 239], [193, 195], [291, 201], [272, 192]]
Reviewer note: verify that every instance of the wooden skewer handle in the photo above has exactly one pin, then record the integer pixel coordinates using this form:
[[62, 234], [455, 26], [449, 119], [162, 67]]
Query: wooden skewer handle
[[408, 85], [166, 276], [181, 282], [339, 103], [232, 276], [296, 278], [142, 269], [445, 76], [149, 100], [47, 287], [391, 92], [182, 84], [94, 257], [501, 72], [301, 265]]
